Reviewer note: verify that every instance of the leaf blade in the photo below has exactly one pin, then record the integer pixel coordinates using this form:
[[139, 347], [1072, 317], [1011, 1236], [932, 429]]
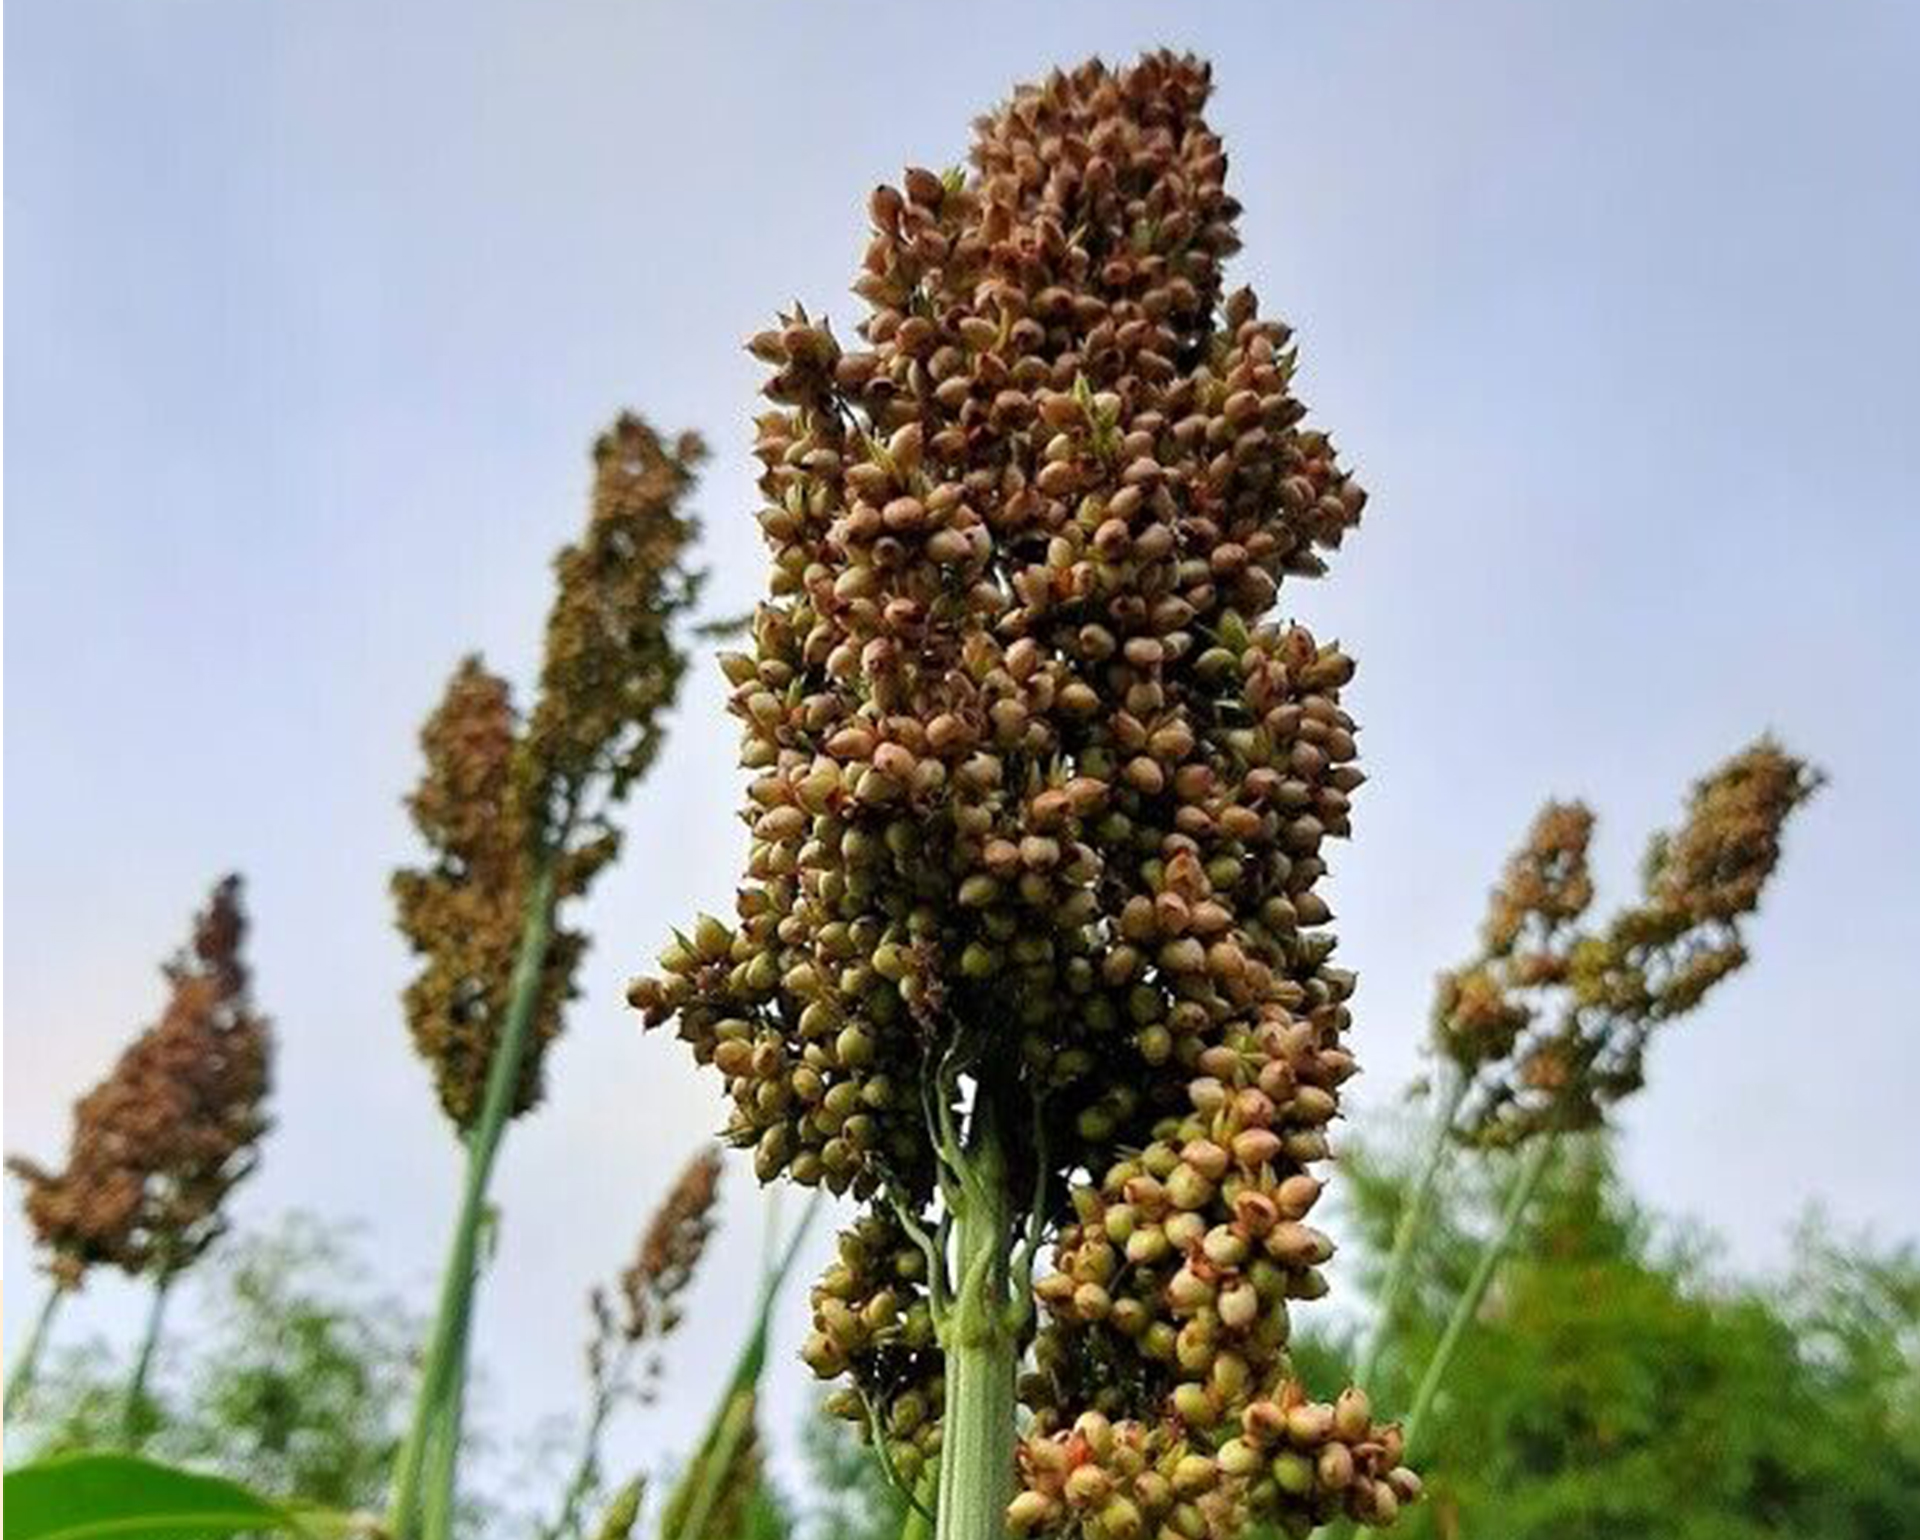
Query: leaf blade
[[123, 1497]]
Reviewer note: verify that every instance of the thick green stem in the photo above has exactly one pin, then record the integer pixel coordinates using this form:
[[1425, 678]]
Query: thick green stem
[[444, 1369], [20, 1382], [439, 1503], [981, 1343], [133, 1409], [1467, 1307], [1406, 1233]]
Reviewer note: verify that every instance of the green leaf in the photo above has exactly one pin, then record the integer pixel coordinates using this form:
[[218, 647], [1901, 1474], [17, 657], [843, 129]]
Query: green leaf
[[120, 1497]]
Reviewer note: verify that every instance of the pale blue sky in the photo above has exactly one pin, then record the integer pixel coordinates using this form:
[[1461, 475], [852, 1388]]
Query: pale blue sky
[[314, 309]]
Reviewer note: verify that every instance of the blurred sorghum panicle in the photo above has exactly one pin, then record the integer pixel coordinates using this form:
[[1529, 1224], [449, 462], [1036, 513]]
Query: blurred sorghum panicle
[[159, 1143], [1040, 796], [612, 665], [1582, 1004], [1482, 1008], [463, 915], [646, 1312], [670, 1251], [500, 798], [727, 1495]]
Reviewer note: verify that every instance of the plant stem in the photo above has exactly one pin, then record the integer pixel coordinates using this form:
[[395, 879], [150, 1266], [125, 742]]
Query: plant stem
[[1467, 1307], [586, 1469], [443, 1372], [976, 1456], [917, 1526], [20, 1382], [439, 1504], [133, 1409], [1406, 1233]]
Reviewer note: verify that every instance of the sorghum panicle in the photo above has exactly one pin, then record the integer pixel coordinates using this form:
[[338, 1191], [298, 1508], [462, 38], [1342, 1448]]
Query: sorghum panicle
[[1553, 1019], [500, 796], [612, 663], [159, 1143], [1040, 795], [1482, 1008], [669, 1254]]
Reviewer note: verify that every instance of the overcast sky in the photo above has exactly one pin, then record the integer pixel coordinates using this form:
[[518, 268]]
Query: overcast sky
[[314, 310]]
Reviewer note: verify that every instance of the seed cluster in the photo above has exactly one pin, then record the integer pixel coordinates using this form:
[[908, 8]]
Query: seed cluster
[[1040, 793], [1553, 1019], [670, 1251], [650, 1287], [159, 1143], [1169, 1320], [873, 1325], [500, 798], [1286, 1460], [1481, 1010]]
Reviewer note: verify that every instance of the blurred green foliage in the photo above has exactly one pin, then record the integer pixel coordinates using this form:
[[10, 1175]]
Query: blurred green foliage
[[295, 1381], [1619, 1385], [849, 1497]]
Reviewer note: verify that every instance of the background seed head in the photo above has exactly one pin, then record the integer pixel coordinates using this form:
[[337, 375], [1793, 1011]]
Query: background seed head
[[1551, 1021], [159, 1143], [499, 795]]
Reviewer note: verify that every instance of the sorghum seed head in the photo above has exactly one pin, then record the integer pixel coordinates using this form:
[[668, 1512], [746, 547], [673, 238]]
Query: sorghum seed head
[[1043, 788]]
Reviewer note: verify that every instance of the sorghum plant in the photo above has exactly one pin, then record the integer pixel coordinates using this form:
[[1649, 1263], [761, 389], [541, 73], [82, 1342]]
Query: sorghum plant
[[1482, 1009], [1551, 1023], [1547, 1028], [158, 1144], [645, 1312], [1030, 941], [518, 813]]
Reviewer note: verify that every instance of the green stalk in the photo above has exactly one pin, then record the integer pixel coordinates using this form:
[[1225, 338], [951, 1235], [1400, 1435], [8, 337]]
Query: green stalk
[[1467, 1307], [133, 1431], [439, 1507], [20, 1382], [587, 1467], [976, 1456], [443, 1372], [706, 1476], [1407, 1231], [917, 1525]]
